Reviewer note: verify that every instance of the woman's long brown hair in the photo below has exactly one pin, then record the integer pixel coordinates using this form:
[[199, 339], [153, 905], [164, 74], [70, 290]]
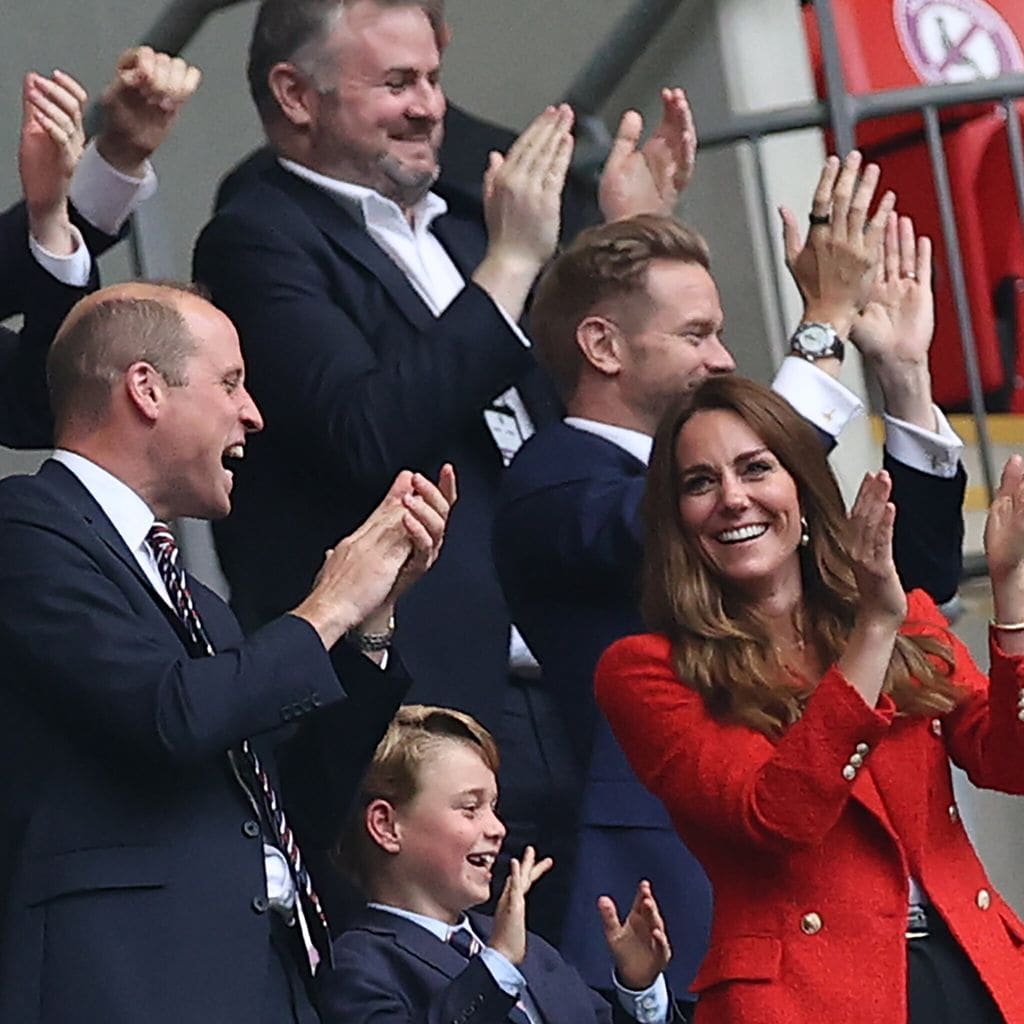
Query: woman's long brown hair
[[721, 647]]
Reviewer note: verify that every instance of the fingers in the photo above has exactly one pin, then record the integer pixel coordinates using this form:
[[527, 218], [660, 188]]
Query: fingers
[[891, 248], [540, 136], [627, 137], [58, 101], [610, 921], [160, 78], [924, 260], [821, 204], [791, 240], [862, 194], [1011, 478], [447, 484]]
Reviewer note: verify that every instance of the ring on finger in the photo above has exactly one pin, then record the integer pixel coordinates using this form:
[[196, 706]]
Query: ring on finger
[[818, 219], [910, 275]]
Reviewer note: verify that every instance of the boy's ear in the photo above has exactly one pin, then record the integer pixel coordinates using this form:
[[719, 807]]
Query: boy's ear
[[382, 826]]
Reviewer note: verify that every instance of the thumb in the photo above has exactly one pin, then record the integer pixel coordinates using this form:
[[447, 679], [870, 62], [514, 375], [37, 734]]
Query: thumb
[[791, 240], [627, 137], [609, 918]]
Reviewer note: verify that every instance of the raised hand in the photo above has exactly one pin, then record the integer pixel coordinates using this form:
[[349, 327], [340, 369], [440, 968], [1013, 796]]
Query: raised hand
[[639, 945], [882, 598], [649, 178], [49, 149], [836, 265], [364, 573], [508, 936], [522, 208], [141, 105], [894, 331], [1004, 551]]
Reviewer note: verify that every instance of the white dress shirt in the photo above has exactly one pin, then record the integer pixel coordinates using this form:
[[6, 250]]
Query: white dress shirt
[[105, 198], [132, 518], [651, 1006]]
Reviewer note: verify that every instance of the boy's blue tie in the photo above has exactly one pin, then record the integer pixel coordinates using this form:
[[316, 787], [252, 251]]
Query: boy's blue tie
[[462, 941]]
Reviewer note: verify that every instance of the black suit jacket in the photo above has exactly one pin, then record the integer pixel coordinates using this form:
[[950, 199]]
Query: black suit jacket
[[357, 379], [568, 545], [26, 288], [389, 970], [130, 870]]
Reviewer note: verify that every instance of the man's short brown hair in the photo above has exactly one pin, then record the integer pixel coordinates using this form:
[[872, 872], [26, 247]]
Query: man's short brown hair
[[606, 265], [96, 345], [416, 732], [296, 31]]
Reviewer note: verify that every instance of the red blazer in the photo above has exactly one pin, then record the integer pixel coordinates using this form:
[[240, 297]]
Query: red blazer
[[808, 844]]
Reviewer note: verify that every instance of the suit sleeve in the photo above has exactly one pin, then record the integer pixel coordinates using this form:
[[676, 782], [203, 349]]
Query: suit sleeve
[[928, 539], [585, 530], [81, 647], [984, 734], [725, 778], [362, 408], [365, 987]]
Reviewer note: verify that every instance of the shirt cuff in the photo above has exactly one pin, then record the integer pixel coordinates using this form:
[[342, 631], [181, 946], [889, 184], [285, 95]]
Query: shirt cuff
[[72, 270], [515, 328], [934, 452], [103, 195], [504, 972], [650, 1006], [816, 395]]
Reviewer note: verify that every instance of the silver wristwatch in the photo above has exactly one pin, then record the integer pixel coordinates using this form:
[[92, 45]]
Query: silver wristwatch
[[814, 341]]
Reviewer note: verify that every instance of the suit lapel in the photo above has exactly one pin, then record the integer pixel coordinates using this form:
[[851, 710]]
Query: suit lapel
[[345, 233], [414, 939], [82, 502], [463, 240]]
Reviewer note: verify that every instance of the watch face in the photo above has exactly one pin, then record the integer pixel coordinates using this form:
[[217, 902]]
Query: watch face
[[815, 339]]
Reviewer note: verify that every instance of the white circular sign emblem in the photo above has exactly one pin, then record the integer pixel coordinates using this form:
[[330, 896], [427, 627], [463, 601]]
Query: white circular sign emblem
[[949, 41]]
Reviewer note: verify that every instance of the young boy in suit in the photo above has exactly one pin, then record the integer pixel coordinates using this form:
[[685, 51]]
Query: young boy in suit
[[421, 845]]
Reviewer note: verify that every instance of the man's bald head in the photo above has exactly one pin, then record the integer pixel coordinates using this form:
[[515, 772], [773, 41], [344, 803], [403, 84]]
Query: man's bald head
[[108, 331]]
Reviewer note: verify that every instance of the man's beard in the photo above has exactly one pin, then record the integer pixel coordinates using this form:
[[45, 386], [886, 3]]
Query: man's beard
[[404, 186]]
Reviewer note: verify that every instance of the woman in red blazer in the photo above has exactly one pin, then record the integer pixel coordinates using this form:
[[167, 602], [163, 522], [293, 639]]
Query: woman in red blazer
[[796, 711]]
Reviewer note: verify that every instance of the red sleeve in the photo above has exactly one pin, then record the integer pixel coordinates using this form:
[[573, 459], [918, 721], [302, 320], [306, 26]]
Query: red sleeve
[[728, 778]]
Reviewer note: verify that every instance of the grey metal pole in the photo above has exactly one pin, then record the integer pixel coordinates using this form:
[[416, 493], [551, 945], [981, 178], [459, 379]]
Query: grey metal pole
[[837, 96], [1013, 135], [954, 260], [622, 47], [776, 341]]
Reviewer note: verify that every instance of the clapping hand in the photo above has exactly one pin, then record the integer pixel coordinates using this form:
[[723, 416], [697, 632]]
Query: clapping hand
[[141, 105], [1004, 551], [508, 936], [836, 266], [49, 150], [871, 521], [649, 178], [639, 945], [894, 331]]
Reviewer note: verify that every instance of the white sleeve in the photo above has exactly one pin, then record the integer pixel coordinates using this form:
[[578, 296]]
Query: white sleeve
[[816, 395], [71, 270], [103, 195]]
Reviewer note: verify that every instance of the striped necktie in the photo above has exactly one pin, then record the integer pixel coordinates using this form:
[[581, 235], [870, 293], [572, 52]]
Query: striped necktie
[[168, 560], [463, 941]]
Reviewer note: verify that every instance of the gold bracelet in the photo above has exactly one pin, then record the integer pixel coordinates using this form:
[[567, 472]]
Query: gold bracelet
[[1007, 627]]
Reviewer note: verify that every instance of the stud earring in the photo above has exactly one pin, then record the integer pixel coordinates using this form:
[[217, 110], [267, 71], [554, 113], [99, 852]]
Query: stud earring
[[805, 535]]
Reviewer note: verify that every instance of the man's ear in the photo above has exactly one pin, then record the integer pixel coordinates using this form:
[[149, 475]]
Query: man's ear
[[145, 389], [601, 343], [381, 822], [297, 97]]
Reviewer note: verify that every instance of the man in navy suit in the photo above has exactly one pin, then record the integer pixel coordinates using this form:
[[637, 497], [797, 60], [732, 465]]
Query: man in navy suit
[[625, 319], [75, 202], [379, 325], [422, 843], [154, 760]]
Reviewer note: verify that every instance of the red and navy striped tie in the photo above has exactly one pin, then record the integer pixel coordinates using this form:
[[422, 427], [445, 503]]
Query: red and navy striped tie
[[168, 560]]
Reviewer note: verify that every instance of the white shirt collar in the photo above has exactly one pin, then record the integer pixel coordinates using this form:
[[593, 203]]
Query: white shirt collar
[[129, 514], [633, 441], [369, 206], [441, 929]]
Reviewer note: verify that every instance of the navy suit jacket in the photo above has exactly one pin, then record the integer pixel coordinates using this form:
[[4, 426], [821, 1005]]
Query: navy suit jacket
[[568, 545], [131, 873], [389, 970], [357, 379], [25, 287]]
